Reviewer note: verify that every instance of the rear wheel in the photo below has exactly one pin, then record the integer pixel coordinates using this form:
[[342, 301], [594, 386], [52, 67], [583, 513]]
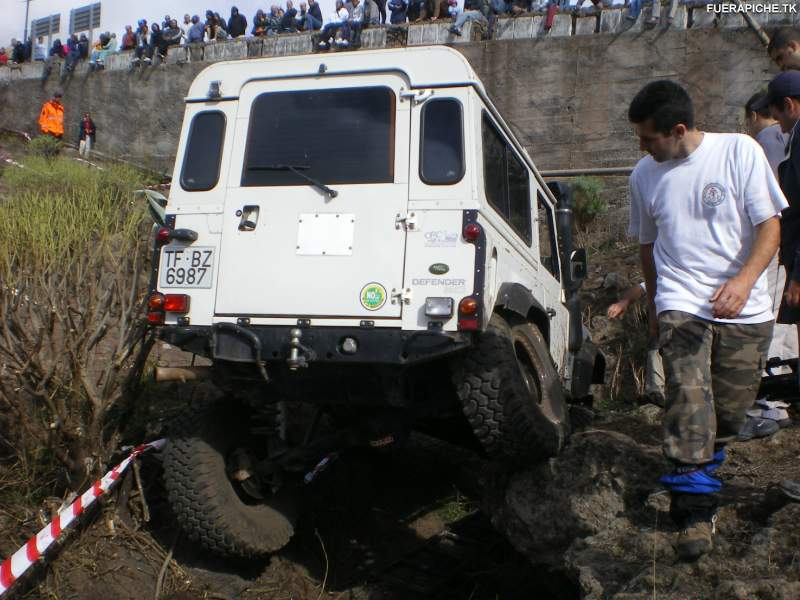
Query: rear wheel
[[511, 394], [211, 507]]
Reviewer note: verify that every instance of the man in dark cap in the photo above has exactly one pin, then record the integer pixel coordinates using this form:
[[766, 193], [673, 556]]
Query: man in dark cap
[[783, 100]]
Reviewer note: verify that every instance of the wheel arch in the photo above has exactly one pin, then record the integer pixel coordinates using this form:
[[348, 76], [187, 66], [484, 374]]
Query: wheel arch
[[516, 303]]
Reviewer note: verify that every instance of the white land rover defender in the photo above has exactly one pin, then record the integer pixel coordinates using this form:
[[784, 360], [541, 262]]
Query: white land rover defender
[[362, 235]]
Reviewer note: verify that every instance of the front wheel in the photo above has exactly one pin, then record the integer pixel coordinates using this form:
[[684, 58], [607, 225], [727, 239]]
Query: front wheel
[[210, 507], [511, 394]]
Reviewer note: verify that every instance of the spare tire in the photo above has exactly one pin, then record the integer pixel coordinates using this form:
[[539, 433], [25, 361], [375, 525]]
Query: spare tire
[[511, 393], [205, 500]]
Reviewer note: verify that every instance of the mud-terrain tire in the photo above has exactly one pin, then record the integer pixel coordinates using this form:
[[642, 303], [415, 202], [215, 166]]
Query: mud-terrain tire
[[203, 498], [511, 394]]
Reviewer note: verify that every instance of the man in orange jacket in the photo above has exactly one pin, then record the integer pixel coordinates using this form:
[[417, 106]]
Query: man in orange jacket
[[51, 118]]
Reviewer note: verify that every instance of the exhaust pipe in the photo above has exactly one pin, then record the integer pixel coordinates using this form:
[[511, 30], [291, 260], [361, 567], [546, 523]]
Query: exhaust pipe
[[566, 246], [182, 374]]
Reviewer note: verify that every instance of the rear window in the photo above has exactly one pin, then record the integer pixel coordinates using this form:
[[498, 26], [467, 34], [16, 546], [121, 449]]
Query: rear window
[[442, 148], [335, 136], [200, 170]]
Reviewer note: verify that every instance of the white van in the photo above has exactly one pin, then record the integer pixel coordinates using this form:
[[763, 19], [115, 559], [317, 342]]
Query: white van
[[360, 232]]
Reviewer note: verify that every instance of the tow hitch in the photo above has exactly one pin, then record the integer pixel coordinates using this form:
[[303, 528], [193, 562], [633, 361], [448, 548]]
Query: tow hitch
[[299, 355]]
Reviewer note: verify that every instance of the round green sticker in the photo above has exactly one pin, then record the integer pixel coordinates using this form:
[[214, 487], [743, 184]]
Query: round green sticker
[[373, 296]]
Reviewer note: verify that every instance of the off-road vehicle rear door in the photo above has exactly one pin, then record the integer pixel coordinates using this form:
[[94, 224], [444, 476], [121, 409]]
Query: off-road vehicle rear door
[[313, 223]]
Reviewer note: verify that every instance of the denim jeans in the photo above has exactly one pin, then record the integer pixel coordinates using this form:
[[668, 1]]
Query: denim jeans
[[501, 6], [329, 31], [469, 15], [309, 23]]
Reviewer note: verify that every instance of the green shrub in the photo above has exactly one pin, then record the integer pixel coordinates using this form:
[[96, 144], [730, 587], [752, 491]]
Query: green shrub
[[589, 200], [45, 146]]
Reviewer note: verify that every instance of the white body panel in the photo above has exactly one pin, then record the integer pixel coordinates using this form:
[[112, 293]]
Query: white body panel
[[284, 270]]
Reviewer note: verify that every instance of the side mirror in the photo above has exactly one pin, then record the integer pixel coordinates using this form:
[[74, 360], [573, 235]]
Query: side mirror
[[156, 205], [578, 265]]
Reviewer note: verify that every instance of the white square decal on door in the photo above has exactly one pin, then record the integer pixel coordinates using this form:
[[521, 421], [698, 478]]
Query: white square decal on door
[[325, 234]]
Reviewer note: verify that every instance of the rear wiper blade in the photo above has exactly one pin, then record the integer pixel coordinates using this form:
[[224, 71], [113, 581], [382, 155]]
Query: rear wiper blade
[[298, 170]]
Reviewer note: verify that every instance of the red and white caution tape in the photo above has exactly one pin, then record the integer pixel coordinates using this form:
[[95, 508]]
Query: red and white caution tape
[[12, 568]]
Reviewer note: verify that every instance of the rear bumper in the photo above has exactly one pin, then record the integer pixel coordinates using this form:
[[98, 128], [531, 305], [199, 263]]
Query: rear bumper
[[324, 344]]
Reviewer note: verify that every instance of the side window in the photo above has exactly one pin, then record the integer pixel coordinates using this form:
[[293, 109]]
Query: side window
[[506, 180], [201, 160], [442, 147], [519, 197], [548, 244]]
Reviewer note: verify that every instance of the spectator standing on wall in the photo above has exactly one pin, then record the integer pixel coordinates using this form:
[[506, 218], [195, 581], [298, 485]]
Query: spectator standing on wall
[[196, 31], [3, 56], [288, 22], [51, 117], [221, 28], [313, 20], [83, 47], [398, 9], [143, 50], [273, 20], [372, 14], [86, 135], [39, 50], [237, 24], [185, 26], [18, 52], [155, 41], [73, 53], [211, 26], [57, 50], [354, 24], [259, 24], [171, 36], [415, 9], [128, 39]]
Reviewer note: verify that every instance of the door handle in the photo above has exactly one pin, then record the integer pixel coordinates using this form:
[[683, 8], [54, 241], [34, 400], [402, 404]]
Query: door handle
[[249, 217]]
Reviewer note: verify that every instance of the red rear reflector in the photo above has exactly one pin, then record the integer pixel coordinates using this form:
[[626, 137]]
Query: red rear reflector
[[155, 318], [472, 232], [177, 303], [156, 301], [468, 324], [468, 306], [163, 235]]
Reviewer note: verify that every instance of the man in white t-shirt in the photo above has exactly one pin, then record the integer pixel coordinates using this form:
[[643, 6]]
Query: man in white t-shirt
[[705, 208]]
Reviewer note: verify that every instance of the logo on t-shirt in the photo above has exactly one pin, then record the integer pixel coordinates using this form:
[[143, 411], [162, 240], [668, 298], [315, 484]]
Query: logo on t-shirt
[[713, 195]]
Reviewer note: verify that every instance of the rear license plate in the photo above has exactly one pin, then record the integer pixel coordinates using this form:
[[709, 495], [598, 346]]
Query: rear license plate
[[186, 267]]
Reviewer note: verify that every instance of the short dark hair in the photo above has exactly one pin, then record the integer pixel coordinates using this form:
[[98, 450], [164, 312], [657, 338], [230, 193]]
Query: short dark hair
[[666, 103], [781, 37], [748, 107]]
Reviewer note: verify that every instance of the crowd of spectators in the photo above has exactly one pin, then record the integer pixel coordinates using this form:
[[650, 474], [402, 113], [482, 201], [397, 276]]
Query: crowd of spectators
[[152, 40]]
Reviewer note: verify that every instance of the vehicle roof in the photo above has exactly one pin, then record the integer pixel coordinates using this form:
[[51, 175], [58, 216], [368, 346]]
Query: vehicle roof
[[424, 66]]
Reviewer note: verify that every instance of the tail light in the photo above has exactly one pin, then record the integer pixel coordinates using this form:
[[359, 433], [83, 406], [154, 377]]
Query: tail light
[[159, 304], [177, 303], [163, 235], [468, 313], [472, 232]]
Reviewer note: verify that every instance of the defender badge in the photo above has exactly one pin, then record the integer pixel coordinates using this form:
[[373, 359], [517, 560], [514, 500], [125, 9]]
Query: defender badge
[[438, 269], [373, 296]]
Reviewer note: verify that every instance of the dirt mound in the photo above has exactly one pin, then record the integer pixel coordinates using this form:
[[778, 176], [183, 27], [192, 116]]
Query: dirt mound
[[597, 513]]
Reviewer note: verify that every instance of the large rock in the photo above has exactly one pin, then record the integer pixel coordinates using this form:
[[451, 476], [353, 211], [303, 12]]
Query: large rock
[[598, 482], [597, 515]]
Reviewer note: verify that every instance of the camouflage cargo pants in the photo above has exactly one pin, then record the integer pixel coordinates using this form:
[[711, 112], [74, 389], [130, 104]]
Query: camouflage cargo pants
[[712, 372]]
